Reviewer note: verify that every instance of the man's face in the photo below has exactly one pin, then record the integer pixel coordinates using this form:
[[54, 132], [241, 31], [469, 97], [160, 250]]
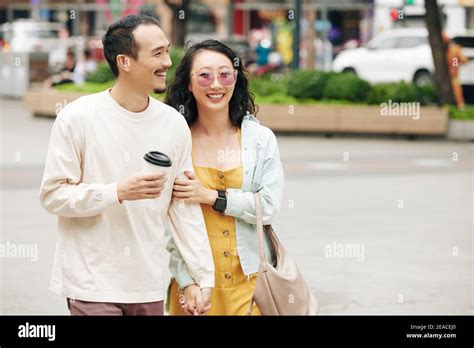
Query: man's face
[[149, 69]]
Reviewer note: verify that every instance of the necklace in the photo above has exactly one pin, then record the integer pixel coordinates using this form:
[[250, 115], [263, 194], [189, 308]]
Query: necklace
[[204, 151]]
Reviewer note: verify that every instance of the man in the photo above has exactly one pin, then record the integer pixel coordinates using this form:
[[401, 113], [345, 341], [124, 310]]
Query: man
[[110, 250]]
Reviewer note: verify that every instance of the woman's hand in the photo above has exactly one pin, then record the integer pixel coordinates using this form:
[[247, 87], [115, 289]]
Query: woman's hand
[[191, 190]]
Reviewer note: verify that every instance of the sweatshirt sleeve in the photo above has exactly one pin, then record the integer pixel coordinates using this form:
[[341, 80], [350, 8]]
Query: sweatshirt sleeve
[[62, 191], [178, 268], [188, 229]]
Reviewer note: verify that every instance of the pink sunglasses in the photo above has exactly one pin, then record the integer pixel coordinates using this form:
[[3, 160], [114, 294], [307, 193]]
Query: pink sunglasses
[[205, 79]]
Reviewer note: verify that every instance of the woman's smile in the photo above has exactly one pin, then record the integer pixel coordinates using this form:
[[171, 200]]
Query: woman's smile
[[216, 97]]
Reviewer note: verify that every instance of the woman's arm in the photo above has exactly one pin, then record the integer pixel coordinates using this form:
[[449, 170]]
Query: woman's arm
[[239, 204], [187, 226], [242, 204]]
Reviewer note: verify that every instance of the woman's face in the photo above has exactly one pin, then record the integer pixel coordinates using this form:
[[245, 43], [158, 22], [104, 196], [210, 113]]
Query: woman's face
[[212, 80]]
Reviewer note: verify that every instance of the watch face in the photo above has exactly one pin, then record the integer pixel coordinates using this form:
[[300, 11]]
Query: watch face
[[220, 204]]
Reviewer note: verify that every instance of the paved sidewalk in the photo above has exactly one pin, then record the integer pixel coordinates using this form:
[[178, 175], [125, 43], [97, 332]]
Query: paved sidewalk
[[378, 226]]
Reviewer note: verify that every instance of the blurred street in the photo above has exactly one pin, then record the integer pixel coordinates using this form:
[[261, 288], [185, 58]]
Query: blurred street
[[406, 207]]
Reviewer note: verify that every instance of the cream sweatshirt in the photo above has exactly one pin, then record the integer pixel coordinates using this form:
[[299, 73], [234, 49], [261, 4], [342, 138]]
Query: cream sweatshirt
[[107, 251]]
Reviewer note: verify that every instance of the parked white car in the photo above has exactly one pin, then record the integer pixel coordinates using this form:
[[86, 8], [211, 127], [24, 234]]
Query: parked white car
[[402, 54]]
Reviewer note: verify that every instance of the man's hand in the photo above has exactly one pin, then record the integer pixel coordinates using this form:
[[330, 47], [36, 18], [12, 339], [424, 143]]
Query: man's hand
[[196, 300], [141, 186]]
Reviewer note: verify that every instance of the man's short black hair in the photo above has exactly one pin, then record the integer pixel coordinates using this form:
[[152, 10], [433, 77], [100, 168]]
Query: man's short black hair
[[119, 38]]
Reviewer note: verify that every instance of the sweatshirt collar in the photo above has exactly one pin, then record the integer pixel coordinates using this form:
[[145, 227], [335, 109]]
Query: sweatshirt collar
[[129, 115]]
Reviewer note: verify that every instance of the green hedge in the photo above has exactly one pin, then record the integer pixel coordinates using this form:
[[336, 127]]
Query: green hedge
[[268, 85], [346, 86], [101, 74], [402, 92], [318, 85], [176, 54], [303, 84], [466, 114], [300, 86]]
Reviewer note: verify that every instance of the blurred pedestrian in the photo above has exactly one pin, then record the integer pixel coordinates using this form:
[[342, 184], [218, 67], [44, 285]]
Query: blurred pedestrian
[[455, 58], [84, 67], [263, 51], [66, 73]]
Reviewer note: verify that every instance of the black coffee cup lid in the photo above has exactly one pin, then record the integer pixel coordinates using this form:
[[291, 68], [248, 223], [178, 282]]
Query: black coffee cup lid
[[158, 158]]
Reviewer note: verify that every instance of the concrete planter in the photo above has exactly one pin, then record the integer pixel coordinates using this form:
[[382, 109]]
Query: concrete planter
[[461, 130], [362, 119], [48, 101], [352, 119]]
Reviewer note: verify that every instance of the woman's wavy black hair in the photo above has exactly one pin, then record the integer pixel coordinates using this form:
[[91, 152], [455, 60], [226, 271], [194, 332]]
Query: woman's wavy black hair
[[179, 96]]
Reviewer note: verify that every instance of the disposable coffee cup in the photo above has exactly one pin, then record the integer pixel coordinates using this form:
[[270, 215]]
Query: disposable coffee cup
[[156, 162]]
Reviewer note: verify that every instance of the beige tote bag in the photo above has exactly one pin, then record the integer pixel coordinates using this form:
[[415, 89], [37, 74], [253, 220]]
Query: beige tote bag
[[280, 289]]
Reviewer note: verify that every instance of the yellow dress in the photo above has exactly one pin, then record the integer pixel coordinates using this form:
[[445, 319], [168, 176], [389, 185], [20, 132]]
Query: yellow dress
[[233, 289]]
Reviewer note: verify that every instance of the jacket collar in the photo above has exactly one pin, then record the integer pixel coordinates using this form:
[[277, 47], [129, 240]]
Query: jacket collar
[[250, 117]]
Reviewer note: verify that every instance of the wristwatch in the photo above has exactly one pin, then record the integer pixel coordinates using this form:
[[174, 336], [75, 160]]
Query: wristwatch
[[221, 201]]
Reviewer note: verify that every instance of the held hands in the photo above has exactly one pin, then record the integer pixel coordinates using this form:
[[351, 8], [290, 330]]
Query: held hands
[[191, 190], [196, 301], [141, 186]]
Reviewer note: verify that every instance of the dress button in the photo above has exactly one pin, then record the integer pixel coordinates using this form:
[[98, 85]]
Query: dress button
[[227, 275], [226, 233], [226, 253]]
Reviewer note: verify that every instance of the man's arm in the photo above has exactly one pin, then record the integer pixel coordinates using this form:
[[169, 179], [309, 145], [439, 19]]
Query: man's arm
[[197, 300], [61, 191], [178, 268]]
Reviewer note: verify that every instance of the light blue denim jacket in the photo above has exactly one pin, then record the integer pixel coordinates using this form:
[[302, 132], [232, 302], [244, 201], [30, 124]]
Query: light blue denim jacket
[[262, 172]]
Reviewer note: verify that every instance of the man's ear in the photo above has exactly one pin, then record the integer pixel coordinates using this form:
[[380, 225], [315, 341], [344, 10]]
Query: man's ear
[[123, 62]]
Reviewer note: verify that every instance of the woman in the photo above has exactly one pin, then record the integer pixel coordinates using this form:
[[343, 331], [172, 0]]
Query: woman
[[233, 156]]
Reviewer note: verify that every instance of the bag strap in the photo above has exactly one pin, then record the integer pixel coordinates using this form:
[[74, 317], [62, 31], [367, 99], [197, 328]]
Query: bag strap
[[259, 223], [260, 231]]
